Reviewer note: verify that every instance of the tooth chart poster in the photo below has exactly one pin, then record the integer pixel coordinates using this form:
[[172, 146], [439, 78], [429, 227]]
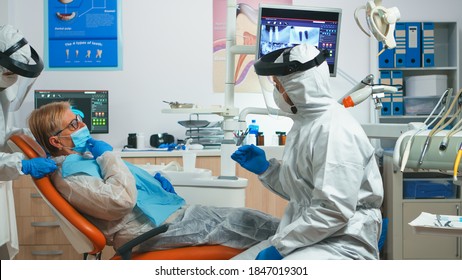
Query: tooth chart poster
[[82, 34]]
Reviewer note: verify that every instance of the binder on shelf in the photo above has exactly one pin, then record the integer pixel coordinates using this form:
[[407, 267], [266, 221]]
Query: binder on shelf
[[400, 49], [385, 79], [413, 44], [428, 44], [397, 97], [387, 57]]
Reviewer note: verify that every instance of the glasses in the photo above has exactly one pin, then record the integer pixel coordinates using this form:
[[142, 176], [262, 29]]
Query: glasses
[[73, 125]]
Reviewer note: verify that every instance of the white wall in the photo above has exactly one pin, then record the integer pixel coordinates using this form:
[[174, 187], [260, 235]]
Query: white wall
[[167, 55]]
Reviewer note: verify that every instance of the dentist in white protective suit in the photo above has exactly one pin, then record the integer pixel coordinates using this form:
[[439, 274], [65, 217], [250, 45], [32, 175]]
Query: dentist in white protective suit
[[19, 67], [328, 172]]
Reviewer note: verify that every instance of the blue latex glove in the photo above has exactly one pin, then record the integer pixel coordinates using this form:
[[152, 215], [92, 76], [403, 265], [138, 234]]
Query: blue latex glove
[[270, 253], [169, 147], [38, 167], [166, 185], [98, 147], [251, 158]]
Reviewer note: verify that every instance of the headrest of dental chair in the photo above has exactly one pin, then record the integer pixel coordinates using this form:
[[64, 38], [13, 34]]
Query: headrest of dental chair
[[27, 145]]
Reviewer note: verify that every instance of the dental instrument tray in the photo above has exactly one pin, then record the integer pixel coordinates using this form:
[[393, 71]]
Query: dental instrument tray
[[194, 123], [178, 105]]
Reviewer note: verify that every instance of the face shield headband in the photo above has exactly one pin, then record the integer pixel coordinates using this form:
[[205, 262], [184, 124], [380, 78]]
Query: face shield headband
[[266, 66], [22, 69]]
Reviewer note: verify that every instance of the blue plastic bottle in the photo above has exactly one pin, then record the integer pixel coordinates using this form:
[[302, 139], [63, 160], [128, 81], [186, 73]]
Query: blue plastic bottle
[[253, 128], [253, 133]]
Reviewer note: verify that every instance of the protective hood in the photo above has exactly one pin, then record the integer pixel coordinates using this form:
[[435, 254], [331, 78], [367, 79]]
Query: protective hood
[[309, 90]]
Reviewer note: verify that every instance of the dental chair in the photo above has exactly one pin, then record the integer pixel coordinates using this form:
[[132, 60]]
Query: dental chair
[[88, 239]]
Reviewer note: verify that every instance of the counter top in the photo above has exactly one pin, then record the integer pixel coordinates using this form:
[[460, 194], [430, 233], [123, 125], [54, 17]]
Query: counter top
[[144, 153], [271, 152]]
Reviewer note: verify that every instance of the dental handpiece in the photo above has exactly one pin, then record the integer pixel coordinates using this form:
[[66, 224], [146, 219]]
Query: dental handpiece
[[424, 150]]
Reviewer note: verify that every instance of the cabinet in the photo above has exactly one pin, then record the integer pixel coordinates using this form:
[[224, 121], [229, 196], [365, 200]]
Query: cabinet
[[401, 241], [39, 234]]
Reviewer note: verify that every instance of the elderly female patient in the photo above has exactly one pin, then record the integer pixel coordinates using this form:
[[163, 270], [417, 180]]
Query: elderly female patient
[[124, 201]]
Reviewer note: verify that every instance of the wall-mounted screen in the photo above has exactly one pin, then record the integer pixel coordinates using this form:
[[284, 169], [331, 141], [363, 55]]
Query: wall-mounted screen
[[281, 26], [92, 104]]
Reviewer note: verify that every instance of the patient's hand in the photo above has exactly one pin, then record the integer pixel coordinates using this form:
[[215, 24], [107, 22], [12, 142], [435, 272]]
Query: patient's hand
[[166, 185], [98, 147]]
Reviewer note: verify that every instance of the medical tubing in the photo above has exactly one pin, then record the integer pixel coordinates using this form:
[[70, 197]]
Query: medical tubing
[[457, 162], [437, 127], [454, 130], [407, 149]]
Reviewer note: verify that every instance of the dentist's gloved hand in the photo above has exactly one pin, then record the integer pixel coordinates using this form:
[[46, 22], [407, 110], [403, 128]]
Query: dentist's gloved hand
[[251, 158], [166, 185], [38, 167], [98, 147], [270, 253]]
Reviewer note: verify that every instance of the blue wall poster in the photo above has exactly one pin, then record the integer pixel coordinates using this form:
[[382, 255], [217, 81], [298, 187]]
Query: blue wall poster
[[83, 33]]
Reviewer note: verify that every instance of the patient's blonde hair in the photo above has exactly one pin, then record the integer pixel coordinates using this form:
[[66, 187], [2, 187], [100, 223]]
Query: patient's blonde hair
[[45, 121]]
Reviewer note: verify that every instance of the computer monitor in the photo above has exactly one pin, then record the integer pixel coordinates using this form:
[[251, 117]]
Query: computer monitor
[[281, 26], [92, 103]]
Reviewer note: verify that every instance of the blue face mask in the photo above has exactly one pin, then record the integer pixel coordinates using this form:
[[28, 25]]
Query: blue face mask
[[80, 138]]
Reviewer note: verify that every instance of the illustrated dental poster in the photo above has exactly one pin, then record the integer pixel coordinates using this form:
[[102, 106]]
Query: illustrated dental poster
[[83, 33], [246, 34]]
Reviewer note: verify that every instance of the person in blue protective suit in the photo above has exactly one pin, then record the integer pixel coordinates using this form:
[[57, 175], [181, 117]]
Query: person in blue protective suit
[[328, 172], [124, 201], [19, 67]]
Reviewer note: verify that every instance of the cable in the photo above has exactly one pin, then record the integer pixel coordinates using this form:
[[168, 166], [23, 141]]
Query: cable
[[437, 127], [407, 149], [457, 162]]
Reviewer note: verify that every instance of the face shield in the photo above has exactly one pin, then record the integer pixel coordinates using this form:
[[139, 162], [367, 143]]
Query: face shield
[[274, 65], [19, 66]]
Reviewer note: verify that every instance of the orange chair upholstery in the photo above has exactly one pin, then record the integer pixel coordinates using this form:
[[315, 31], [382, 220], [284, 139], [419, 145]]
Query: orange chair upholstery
[[88, 239]]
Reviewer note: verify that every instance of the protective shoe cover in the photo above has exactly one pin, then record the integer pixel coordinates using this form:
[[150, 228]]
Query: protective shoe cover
[[328, 173]]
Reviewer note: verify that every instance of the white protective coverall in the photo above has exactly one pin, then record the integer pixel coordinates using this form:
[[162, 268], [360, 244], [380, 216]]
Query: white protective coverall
[[110, 204], [328, 173], [10, 163]]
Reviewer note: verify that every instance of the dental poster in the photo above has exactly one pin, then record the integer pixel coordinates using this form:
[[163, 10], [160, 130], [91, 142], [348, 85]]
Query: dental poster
[[83, 33], [246, 34]]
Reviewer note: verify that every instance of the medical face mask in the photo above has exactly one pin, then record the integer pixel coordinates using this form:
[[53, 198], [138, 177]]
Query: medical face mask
[[281, 103], [80, 138]]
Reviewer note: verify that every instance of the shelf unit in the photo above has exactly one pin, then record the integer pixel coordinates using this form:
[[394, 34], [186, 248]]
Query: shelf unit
[[402, 242], [447, 62]]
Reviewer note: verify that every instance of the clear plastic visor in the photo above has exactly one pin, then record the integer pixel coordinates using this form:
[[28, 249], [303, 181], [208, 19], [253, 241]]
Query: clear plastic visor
[[15, 89], [270, 91]]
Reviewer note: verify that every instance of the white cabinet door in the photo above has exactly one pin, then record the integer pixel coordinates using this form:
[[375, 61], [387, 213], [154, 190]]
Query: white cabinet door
[[419, 246]]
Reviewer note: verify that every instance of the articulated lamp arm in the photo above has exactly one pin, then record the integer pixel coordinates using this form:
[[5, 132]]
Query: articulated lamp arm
[[363, 90]]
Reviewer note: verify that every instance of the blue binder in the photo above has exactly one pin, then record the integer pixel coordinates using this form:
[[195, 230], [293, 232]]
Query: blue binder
[[413, 44], [385, 79], [400, 50], [386, 58], [428, 44], [397, 97]]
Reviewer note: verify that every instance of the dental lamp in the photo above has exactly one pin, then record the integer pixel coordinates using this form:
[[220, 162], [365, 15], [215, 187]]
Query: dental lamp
[[381, 22]]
